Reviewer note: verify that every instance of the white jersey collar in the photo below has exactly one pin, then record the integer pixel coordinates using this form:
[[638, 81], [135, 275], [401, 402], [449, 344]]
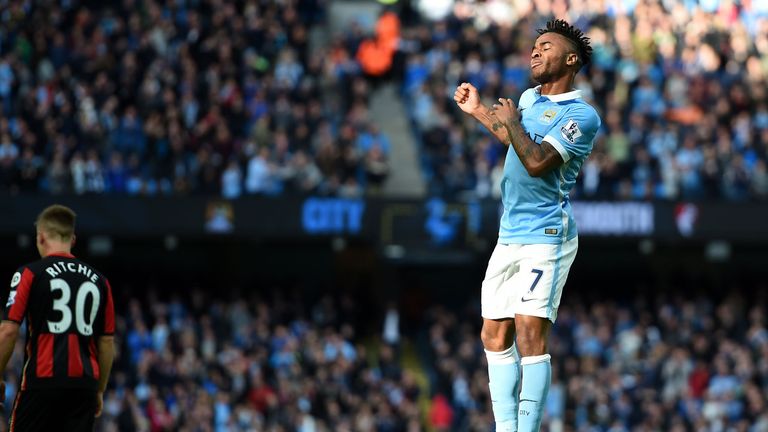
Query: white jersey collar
[[561, 97]]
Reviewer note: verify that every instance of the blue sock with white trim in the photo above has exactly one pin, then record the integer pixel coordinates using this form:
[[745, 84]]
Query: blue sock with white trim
[[503, 377], [537, 375]]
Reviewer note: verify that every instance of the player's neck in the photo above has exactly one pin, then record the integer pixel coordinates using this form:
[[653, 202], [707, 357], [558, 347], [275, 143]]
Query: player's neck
[[562, 85], [56, 250]]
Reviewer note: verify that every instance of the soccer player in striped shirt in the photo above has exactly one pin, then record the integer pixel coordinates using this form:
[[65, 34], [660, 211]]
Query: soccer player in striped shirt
[[68, 309], [550, 134]]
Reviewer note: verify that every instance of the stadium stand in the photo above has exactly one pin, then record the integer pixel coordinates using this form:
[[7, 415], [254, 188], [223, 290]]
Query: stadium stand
[[201, 99], [182, 98], [681, 88]]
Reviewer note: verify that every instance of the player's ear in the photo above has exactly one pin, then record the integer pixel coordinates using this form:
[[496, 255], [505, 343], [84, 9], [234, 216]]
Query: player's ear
[[572, 59]]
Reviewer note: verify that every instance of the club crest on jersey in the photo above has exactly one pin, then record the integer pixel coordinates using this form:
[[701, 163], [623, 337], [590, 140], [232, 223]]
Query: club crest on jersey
[[16, 279], [547, 116], [571, 131]]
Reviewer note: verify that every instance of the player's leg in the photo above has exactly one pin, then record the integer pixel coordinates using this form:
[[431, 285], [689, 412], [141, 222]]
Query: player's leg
[[540, 282], [536, 369], [503, 371], [29, 412], [498, 335]]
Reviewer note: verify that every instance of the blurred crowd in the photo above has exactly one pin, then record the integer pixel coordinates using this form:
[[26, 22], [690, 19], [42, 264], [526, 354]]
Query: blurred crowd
[[681, 87], [145, 97], [671, 364], [197, 364], [253, 97], [290, 363]]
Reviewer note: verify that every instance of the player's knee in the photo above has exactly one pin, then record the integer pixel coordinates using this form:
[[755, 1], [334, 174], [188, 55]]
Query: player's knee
[[531, 342], [493, 339]]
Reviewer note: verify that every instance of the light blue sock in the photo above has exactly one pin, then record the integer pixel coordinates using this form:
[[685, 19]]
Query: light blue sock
[[537, 374], [503, 377]]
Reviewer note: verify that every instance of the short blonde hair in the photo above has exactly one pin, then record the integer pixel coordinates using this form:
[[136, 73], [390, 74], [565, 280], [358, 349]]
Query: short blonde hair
[[57, 220]]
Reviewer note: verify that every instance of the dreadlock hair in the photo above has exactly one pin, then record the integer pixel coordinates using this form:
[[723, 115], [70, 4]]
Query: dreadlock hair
[[561, 27]]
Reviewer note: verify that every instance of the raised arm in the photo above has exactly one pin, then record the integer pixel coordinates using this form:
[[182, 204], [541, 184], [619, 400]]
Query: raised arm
[[468, 99]]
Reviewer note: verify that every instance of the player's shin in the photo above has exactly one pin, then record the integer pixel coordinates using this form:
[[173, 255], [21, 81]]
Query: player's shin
[[537, 375], [504, 376]]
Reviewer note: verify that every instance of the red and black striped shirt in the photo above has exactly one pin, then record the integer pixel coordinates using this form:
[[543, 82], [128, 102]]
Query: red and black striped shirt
[[67, 305]]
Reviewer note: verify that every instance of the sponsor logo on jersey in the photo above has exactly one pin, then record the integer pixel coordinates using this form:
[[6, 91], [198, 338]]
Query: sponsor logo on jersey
[[571, 131]]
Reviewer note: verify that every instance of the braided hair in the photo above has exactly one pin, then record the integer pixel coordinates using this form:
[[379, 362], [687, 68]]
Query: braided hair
[[573, 34]]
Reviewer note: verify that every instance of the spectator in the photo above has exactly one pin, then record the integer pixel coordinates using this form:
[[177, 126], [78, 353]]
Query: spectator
[[441, 413], [302, 174], [58, 175], [116, 175], [376, 167], [259, 177], [29, 170], [231, 180]]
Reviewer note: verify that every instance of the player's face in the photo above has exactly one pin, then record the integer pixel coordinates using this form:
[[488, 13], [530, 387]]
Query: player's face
[[550, 58]]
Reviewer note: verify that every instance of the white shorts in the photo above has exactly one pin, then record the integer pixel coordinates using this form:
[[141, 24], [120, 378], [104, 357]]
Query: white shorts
[[526, 279]]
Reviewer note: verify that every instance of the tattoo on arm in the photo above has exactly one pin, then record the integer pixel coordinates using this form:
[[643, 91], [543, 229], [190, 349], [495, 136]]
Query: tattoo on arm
[[525, 148], [497, 124], [537, 159], [486, 117]]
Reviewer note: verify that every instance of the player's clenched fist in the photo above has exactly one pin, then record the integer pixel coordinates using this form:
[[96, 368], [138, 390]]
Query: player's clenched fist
[[467, 98]]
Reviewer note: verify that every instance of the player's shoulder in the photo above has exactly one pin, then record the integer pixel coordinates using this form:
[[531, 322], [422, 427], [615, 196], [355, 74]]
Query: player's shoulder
[[26, 271], [528, 98], [530, 92], [584, 112], [40, 265], [586, 109], [90, 270], [17, 275], [101, 278], [33, 267]]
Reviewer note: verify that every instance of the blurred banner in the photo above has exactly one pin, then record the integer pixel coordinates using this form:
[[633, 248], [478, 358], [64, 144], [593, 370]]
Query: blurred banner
[[433, 223]]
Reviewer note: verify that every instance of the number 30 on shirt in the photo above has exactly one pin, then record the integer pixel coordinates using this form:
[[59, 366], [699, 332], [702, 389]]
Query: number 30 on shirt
[[61, 304]]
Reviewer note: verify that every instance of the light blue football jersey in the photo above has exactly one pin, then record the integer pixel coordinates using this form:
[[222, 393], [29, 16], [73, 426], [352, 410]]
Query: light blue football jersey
[[537, 209]]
